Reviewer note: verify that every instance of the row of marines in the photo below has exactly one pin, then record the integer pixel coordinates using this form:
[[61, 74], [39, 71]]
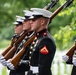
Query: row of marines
[[39, 53]]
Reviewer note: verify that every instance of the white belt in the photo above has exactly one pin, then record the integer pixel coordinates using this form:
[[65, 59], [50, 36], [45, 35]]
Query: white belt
[[34, 69], [26, 72]]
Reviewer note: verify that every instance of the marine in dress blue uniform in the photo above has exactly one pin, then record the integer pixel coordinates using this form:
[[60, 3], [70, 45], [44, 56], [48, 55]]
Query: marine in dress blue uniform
[[42, 49], [23, 65], [71, 61]]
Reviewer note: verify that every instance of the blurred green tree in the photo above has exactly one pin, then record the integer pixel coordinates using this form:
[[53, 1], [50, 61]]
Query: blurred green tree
[[62, 27]]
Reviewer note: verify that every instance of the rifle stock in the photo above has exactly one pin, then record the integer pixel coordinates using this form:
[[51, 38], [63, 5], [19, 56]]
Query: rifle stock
[[71, 51], [23, 34], [11, 52], [16, 59], [56, 12]]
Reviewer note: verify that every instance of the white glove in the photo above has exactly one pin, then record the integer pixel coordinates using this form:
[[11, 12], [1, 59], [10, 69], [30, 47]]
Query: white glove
[[65, 58], [74, 58], [74, 61], [10, 65], [1, 57], [2, 60]]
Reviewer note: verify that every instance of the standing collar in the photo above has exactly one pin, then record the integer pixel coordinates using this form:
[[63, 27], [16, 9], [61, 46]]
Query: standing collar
[[42, 32]]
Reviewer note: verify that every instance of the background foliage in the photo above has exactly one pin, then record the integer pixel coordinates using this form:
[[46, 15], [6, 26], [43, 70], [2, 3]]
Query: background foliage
[[62, 27]]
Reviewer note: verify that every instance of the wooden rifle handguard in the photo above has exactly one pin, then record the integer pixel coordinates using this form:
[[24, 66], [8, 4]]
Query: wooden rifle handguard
[[71, 51], [11, 52], [9, 47], [16, 59]]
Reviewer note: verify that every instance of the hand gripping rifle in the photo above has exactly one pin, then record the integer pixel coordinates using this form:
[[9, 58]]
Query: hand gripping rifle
[[10, 53], [71, 51], [14, 61]]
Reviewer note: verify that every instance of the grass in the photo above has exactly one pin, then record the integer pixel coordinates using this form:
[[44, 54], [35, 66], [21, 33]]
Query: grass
[[4, 72], [4, 44]]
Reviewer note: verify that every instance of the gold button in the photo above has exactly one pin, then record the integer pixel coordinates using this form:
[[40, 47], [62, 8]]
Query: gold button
[[33, 43], [31, 47], [44, 33], [30, 52], [23, 41], [29, 63], [25, 36], [35, 38], [30, 57], [37, 33]]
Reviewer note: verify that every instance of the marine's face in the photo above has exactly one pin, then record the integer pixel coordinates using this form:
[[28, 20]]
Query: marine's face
[[18, 29], [35, 24], [26, 25]]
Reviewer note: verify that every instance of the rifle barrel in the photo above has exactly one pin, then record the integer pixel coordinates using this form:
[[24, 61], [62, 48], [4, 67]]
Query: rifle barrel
[[9, 47], [67, 3], [11, 52]]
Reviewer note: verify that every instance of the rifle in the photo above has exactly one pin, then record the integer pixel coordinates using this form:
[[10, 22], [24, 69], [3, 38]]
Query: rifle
[[51, 5], [71, 51], [16, 59], [66, 4], [13, 49]]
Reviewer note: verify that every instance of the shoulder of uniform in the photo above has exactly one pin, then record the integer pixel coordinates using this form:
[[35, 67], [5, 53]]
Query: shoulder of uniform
[[46, 39]]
